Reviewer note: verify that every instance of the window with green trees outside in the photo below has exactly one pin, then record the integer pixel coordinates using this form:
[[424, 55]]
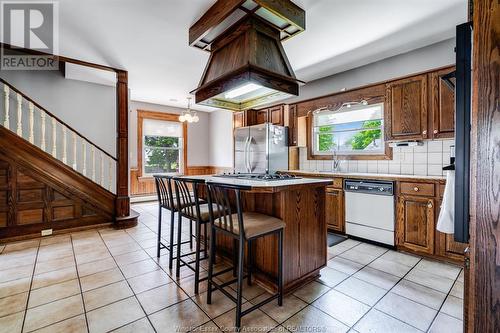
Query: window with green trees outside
[[162, 154], [351, 131]]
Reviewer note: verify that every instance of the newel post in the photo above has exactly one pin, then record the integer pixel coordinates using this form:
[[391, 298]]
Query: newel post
[[122, 179]]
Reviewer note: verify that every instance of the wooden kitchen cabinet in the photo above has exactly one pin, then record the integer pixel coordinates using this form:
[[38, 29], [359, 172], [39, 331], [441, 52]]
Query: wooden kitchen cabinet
[[415, 224], [442, 105], [239, 119], [334, 209], [292, 125], [261, 116], [276, 116], [406, 109]]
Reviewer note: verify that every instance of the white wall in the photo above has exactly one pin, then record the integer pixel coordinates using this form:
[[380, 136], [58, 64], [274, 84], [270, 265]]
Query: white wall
[[198, 133], [426, 58], [87, 107], [221, 138]]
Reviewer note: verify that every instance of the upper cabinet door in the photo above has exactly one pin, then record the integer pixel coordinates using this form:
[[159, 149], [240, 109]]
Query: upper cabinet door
[[406, 103], [276, 115], [261, 116], [442, 104], [238, 119]]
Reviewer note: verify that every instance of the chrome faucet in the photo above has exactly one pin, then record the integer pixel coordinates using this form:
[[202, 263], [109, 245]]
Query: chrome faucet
[[335, 160]]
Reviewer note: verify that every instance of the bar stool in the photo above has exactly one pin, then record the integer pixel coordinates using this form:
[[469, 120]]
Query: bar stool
[[192, 208], [243, 227], [166, 201]]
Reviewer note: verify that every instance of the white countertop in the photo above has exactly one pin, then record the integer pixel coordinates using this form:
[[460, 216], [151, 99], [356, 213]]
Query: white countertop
[[367, 175], [259, 183]]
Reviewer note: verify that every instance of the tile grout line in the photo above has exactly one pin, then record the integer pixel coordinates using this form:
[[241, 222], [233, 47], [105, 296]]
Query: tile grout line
[[191, 297], [388, 291], [351, 275], [29, 291], [442, 304], [79, 284], [133, 292]]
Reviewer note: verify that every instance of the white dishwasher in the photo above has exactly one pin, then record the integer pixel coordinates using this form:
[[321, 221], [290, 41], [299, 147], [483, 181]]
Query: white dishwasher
[[369, 210]]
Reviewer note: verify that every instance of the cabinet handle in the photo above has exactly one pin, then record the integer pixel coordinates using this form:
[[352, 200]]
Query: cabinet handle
[[415, 189], [435, 131], [429, 205], [424, 132]]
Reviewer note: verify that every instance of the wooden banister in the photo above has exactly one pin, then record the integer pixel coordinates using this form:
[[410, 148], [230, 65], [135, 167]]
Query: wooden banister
[[38, 106]]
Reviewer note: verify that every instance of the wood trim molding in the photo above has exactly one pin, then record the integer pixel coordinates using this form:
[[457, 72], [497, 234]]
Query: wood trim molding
[[387, 155], [145, 114], [140, 186]]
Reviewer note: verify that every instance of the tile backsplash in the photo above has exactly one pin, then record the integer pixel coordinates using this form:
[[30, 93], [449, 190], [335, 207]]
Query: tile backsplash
[[426, 160]]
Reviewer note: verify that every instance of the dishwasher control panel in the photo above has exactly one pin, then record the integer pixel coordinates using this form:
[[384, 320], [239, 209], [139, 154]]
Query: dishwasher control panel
[[369, 186]]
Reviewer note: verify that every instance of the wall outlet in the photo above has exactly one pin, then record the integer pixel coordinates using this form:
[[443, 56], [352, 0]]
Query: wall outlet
[[47, 232]]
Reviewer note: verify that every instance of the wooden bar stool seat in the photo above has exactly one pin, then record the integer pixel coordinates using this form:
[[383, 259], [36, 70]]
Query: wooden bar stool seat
[[256, 224]]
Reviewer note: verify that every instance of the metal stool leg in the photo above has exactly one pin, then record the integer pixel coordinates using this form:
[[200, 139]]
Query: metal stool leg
[[190, 234], [171, 254], [211, 261], [205, 240], [197, 259], [235, 257], [179, 236], [249, 263], [239, 291], [159, 232]]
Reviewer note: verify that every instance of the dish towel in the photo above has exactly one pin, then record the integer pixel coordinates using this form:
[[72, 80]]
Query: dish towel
[[447, 214]]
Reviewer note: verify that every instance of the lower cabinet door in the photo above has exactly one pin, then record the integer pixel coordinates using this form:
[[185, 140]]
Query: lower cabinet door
[[334, 209], [447, 247], [415, 226]]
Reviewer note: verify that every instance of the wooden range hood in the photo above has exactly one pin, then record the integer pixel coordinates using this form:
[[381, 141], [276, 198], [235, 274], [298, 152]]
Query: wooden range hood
[[248, 66]]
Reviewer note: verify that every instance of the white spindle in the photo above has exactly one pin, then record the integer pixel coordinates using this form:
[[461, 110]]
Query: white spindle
[[6, 90], [74, 150], [84, 158], [102, 169], [65, 146], [19, 115], [43, 142], [32, 122], [54, 138], [92, 156], [110, 167]]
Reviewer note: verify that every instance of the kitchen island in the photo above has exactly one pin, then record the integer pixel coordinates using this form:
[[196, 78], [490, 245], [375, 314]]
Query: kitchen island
[[300, 204]]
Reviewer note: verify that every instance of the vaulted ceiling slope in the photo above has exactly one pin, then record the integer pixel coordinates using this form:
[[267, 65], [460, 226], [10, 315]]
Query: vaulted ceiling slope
[[150, 38]]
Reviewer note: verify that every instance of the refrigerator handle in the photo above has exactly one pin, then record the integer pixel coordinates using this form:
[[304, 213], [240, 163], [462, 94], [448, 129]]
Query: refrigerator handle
[[246, 153], [249, 165]]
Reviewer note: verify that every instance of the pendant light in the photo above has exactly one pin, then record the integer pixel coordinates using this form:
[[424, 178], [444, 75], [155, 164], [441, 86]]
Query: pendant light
[[189, 115]]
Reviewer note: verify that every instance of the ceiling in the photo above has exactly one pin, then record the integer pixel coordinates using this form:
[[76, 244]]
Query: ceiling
[[150, 38]]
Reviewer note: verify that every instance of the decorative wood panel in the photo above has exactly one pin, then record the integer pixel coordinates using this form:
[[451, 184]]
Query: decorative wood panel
[[30, 203]]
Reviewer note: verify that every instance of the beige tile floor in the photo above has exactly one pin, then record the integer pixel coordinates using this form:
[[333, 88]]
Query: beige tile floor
[[110, 280]]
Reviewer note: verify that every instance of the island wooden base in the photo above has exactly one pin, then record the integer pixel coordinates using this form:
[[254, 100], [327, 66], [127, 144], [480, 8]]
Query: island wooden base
[[304, 244]]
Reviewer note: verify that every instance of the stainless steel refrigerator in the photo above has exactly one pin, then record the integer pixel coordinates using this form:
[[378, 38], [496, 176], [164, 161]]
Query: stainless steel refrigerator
[[261, 148]]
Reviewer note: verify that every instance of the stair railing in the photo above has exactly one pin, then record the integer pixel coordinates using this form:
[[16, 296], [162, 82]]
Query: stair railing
[[51, 134]]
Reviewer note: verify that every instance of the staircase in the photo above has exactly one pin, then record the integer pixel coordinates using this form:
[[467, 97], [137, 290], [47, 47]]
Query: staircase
[[51, 176]]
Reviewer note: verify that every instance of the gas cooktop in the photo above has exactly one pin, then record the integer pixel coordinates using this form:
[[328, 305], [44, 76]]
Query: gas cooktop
[[259, 176]]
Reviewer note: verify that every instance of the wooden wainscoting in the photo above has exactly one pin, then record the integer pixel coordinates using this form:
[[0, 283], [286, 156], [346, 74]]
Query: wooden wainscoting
[[140, 186]]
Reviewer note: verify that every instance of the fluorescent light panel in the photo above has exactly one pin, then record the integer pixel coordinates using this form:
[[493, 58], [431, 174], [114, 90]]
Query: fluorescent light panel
[[242, 90]]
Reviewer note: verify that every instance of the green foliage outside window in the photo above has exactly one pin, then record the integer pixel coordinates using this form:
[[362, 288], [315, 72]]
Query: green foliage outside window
[[325, 139], [364, 138], [162, 154]]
